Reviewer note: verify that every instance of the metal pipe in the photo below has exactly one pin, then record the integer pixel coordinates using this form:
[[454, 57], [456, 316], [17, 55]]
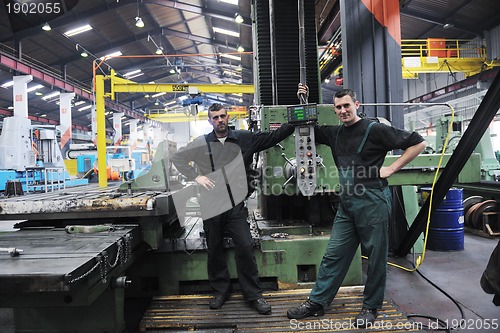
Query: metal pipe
[[302, 49]]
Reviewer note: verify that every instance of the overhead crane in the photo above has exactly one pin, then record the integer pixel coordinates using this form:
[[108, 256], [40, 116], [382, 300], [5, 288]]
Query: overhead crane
[[440, 55], [434, 55], [120, 85]]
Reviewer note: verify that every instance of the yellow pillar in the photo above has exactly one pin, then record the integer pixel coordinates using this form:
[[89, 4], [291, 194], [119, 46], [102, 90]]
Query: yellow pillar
[[101, 131]]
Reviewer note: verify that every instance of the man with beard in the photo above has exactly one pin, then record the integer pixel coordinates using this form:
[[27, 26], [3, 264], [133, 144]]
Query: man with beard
[[223, 159]]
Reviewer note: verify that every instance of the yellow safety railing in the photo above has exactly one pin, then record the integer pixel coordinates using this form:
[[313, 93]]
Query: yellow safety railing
[[443, 48]]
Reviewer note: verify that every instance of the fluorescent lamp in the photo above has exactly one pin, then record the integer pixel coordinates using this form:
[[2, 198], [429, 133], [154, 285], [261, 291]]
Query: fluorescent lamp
[[49, 96], [38, 86], [227, 32], [8, 84], [230, 56], [78, 30], [79, 103], [134, 76], [231, 2], [84, 108], [132, 72], [111, 55], [158, 94]]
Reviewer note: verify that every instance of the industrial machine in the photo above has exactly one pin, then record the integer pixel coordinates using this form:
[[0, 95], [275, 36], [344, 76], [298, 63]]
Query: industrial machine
[[143, 237], [30, 156]]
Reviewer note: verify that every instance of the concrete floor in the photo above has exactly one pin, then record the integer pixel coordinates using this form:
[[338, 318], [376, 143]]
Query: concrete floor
[[457, 273]]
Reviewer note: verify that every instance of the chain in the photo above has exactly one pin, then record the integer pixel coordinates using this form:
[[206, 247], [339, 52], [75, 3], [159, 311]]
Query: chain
[[118, 254], [103, 268], [123, 255], [128, 247], [84, 275]]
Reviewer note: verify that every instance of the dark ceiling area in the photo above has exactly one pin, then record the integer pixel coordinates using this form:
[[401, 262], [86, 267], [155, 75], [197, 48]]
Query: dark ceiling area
[[187, 35]]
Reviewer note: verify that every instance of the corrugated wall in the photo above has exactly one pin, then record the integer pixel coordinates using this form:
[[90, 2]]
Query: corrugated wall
[[494, 43]]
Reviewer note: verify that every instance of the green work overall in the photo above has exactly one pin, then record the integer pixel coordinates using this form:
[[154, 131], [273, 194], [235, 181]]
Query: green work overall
[[362, 217]]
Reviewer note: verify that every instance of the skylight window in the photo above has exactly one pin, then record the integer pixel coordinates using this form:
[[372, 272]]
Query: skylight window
[[78, 30]]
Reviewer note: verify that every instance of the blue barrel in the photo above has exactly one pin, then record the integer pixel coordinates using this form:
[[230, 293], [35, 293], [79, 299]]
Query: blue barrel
[[446, 230]]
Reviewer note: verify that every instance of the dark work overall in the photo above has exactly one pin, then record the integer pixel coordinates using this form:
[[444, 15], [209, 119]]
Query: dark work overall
[[233, 222], [362, 217]]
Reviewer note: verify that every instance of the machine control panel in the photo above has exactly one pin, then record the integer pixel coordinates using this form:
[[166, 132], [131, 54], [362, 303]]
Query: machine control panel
[[302, 114], [304, 117]]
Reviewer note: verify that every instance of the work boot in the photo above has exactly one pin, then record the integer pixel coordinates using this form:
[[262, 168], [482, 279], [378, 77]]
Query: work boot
[[261, 306], [366, 317], [306, 309], [217, 301]]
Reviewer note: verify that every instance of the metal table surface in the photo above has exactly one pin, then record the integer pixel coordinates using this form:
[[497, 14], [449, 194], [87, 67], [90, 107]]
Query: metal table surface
[[53, 260], [89, 201]]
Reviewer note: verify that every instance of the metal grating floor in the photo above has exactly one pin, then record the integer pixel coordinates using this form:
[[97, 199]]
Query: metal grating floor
[[191, 313]]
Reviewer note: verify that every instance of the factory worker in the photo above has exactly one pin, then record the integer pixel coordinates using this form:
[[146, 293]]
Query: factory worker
[[223, 161], [359, 147]]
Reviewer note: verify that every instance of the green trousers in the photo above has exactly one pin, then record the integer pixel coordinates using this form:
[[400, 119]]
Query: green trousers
[[361, 219]]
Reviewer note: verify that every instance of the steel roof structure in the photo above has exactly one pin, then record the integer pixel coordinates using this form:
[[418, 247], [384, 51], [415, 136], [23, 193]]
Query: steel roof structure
[[187, 35]]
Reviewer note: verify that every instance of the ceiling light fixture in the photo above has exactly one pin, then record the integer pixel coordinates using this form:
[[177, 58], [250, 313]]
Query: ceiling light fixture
[[238, 18], [240, 48], [448, 25], [84, 53], [138, 20], [159, 50], [46, 27]]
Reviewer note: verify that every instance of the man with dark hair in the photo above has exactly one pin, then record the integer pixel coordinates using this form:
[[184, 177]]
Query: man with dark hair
[[223, 159], [359, 147]]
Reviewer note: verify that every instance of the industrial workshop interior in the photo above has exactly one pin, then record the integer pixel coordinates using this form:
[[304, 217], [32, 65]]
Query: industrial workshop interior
[[101, 232]]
